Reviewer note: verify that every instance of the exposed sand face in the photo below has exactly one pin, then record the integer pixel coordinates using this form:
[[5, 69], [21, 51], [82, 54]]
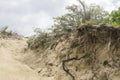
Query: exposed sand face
[[103, 61], [10, 67]]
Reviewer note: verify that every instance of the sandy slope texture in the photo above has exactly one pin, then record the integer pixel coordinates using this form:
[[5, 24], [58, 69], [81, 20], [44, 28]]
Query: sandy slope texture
[[10, 67]]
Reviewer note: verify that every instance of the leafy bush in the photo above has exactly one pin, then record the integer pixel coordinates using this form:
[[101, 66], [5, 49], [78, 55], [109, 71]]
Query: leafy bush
[[4, 33], [114, 17], [38, 40]]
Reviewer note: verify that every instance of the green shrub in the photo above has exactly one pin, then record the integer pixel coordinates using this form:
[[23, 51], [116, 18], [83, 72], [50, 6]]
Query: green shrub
[[114, 17], [38, 40], [3, 30]]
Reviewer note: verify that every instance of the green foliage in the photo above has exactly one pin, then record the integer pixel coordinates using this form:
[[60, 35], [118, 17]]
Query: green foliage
[[4, 33], [78, 14], [38, 40], [114, 17], [3, 30], [30, 42]]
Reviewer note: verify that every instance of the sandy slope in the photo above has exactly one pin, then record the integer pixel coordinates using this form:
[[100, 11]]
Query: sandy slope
[[10, 67]]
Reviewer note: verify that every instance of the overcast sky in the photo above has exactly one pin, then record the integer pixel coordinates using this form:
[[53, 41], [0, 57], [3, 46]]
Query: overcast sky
[[23, 15]]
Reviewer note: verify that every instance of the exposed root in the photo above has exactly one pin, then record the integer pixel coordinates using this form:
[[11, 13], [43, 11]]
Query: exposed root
[[68, 60]]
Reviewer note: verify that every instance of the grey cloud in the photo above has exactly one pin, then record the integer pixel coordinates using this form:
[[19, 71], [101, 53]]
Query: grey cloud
[[51, 7], [22, 15]]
